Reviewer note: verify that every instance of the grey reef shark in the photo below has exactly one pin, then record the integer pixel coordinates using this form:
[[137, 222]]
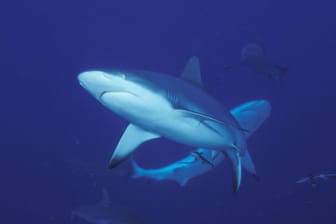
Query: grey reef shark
[[250, 115], [314, 179], [253, 56], [105, 212], [159, 105]]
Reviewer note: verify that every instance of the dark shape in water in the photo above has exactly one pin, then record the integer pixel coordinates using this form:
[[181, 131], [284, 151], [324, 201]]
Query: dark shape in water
[[314, 179], [253, 55], [105, 212]]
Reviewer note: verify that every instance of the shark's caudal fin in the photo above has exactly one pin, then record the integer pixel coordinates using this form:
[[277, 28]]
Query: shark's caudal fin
[[130, 140], [251, 115]]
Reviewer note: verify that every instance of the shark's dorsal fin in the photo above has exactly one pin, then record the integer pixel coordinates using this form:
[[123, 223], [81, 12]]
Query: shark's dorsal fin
[[192, 72], [105, 199]]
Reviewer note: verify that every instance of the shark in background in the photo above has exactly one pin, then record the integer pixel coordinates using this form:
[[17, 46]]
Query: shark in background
[[314, 179], [250, 115], [159, 105], [105, 212], [253, 56]]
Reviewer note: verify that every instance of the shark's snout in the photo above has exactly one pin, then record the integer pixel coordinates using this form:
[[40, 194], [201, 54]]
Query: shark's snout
[[88, 78], [93, 81]]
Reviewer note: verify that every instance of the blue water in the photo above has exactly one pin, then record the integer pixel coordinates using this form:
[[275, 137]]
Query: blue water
[[47, 119]]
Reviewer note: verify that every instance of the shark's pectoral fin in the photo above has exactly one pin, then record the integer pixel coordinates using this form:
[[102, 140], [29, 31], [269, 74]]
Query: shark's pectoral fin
[[130, 140], [235, 159]]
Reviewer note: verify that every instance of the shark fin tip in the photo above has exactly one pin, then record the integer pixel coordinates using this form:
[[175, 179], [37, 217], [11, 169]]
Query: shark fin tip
[[235, 191], [114, 163]]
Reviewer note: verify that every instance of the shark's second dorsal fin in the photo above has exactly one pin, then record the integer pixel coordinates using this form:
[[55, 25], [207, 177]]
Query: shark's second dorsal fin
[[192, 72], [105, 199]]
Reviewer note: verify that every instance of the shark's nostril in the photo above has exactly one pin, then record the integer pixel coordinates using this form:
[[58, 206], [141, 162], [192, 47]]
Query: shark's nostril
[[81, 84]]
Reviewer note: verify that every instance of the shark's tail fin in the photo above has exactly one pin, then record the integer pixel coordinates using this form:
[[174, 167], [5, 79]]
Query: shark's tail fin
[[138, 171], [250, 116]]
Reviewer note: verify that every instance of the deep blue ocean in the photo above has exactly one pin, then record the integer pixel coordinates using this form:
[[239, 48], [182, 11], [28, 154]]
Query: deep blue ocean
[[52, 130]]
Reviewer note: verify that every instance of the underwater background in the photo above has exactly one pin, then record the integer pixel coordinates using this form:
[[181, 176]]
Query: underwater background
[[51, 128]]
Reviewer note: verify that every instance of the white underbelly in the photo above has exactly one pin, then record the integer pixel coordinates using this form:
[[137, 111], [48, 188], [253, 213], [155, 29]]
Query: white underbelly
[[190, 131], [155, 114]]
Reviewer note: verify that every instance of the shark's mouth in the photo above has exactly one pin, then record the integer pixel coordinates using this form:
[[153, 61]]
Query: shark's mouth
[[102, 94]]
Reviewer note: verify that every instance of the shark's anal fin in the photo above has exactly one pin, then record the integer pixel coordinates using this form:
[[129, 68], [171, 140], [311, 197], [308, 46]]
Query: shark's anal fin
[[248, 164], [130, 140], [234, 157], [192, 72]]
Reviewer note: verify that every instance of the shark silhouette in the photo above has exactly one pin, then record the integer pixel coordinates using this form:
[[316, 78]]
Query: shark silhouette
[[159, 105], [314, 179], [105, 212], [250, 115], [254, 56]]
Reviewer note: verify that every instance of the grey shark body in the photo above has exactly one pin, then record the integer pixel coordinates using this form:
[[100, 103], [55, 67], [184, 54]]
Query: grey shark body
[[314, 179], [254, 56], [159, 105], [250, 115], [105, 212]]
